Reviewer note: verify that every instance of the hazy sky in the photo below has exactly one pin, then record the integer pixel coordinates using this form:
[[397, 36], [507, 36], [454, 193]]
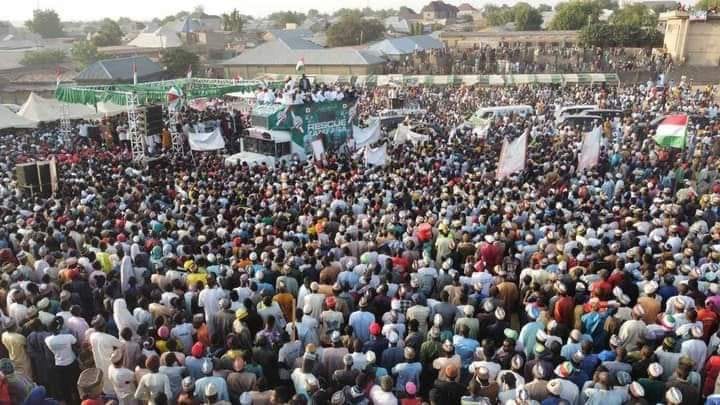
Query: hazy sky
[[21, 10]]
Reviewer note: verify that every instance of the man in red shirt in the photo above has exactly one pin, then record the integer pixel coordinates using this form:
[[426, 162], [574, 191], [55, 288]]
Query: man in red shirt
[[564, 306]]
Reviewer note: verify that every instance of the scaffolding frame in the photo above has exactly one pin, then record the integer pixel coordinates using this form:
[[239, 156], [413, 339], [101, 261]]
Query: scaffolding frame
[[135, 132]]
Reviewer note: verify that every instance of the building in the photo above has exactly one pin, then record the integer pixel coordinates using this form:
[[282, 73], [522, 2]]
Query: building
[[396, 47], [281, 56], [161, 38], [397, 25], [692, 38], [438, 10], [466, 40], [112, 71]]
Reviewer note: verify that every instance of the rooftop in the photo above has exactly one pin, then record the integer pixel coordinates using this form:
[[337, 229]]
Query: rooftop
[[279, 53]]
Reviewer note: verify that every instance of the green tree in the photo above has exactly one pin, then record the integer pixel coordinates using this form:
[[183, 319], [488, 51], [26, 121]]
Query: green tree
[[46, 23], [47, 57], [707, 4], [198, 11], [637, 15], [354, 30], [496, 16], [574, 15], [526, 18], [176, 61], [602, 34], [109, 34], [84, 53], [232, 21], [282, 18], [313, 12]]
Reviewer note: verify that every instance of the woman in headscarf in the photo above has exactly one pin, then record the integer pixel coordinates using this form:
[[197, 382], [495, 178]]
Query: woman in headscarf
[[123, 318], [126, 271]]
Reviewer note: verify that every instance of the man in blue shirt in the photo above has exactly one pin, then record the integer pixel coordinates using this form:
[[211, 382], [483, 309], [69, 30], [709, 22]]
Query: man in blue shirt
[[465, 346]]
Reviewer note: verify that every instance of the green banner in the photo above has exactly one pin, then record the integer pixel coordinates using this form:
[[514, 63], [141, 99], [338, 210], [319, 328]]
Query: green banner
[[306, 122]]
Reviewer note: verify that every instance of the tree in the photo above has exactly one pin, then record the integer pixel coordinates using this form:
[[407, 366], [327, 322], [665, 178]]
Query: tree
[[603, 35], [198, 11], [46, 23], [312, 13], [233, 21], [176, 61], [526, 18], [637, 15], [708, 4], [416, 28], [109, 34], [574, 15], [354, 30], [47, 57], [84, 53], [523, 15], [282, 18]]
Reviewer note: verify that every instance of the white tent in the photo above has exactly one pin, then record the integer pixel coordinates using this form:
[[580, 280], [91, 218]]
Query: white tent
[[9, 119], [108, 108], [41, 109]]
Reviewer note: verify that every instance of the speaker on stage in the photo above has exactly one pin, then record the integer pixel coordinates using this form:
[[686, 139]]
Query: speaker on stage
[[37, 177], [27, 175], [154, 117]]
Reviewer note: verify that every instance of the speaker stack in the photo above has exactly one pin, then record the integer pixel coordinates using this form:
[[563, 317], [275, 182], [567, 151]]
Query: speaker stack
[[38, 177], [154, 119]]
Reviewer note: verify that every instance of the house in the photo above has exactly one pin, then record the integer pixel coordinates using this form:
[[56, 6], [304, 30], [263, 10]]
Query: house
[[406, 13], [691, 37], [281, 56], [396, 47], [466, 9], [438, 10], [210, 22], [161, 38], [111, 71], [397, 25]]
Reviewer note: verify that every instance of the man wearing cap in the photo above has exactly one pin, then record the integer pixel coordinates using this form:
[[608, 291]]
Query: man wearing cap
[[650, 302], [332, 357], [103, 345], [572, 345], [361, 320], [448, 387], [123, 380], [529, 331], [653, 385], [209, 300], [347, 375], [382, 393], [407, 371], [208, 378], [393, 354], [537, 388], [633, 331], [153, 383], [680, 379], [330, 319], [554, 389], [564, 308], [695, 347]]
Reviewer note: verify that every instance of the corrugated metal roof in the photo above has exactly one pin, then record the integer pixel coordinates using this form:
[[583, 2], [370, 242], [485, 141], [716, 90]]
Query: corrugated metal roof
[[406, 45], [278, 53], [119, 69]]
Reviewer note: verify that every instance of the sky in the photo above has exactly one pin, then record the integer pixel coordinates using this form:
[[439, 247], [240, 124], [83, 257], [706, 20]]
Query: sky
[[76, 10]]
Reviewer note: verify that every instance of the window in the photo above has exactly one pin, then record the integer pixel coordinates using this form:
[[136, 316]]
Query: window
[[260, 146], [282, 149]]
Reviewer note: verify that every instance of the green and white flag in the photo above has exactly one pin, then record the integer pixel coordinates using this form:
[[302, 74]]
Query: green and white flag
[[672, 131]]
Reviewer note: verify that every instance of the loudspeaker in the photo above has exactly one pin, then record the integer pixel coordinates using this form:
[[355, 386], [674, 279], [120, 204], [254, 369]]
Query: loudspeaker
[[37, 177], [27, 175], [154, 117]]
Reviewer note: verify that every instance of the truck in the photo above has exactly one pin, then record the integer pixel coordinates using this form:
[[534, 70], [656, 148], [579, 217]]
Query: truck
[[285, 131]]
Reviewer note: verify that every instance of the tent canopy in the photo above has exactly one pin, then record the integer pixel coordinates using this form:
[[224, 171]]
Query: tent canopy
[[153, 92], [9, 119], [39, 109]]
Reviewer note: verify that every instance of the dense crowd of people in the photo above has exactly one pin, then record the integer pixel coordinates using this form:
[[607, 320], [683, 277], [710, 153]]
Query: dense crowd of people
[[426, 280], [522, 59]]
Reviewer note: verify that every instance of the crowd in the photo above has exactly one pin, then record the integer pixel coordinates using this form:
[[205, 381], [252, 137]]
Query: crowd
[[522, 59], [426, 280]]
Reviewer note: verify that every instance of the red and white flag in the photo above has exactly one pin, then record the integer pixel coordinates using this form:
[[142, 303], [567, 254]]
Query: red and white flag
[[512, 157], [672, 131], [590, 150], [134, 73]]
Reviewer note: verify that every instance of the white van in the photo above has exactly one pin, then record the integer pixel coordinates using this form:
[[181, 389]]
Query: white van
[[484, 115], [262, 146], [562, 112]]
